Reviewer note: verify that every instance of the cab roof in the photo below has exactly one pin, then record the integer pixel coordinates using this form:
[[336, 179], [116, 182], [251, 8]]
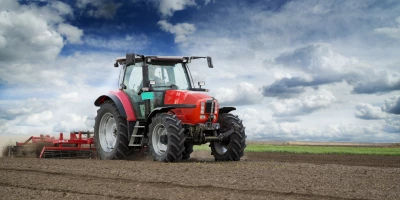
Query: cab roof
[[132, 58], [122, 60]]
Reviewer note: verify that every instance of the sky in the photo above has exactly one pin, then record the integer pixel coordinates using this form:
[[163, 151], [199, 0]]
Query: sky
[[304, 70]]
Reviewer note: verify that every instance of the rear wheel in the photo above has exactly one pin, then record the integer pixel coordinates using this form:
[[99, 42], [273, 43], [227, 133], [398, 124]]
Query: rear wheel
[[233, 148], [166, 138], [110, 133]]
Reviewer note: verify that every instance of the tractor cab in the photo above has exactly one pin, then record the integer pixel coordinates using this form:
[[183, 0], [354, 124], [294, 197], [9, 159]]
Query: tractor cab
[[158, 107], [159, 74]]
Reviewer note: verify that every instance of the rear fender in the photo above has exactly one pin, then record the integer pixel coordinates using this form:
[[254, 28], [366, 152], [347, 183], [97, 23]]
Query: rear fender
[[116, 101], [226, 109], [122, 102]]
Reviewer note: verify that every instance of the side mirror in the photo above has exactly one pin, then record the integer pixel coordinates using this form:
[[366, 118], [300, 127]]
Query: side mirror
[[116, 64], [201, 83], [130, 59], [209, 62]]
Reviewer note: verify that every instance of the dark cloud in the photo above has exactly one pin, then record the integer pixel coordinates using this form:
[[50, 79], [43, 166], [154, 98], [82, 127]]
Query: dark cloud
[[381, 85], [304, 57], [392, 105], [12, 113], [287, 119], [284, 88], [317, 60], [99, 8], [4, 115], [106, 11], [292, 87], [324, 66]]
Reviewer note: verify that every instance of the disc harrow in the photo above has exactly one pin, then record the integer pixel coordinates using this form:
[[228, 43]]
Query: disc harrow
[[79, 145]]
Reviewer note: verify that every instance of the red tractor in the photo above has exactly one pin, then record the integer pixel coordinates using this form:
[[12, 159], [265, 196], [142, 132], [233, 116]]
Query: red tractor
[[157, 106]]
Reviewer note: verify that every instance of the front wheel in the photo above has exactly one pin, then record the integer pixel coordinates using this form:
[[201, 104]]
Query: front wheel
[[233, 148], [166, 138], [188, 150], [111, 133]]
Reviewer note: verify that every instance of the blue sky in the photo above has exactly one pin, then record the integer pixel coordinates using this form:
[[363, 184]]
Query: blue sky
[[296, 70]]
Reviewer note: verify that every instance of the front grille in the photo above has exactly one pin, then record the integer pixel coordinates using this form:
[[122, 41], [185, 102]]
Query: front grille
[[209, 106]]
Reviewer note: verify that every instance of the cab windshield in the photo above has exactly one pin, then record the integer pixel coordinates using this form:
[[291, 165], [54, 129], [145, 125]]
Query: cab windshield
[[167, 75]]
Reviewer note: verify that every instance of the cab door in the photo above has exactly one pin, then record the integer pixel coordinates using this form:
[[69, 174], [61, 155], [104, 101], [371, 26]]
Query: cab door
[[133, 83]]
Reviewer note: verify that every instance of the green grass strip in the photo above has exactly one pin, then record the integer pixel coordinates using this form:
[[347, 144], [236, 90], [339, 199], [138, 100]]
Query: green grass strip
[[387, 151]]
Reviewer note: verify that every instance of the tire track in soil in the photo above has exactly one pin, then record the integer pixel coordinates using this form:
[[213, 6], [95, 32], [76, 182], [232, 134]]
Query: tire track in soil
[[322, 159], [167, 185], [70, 191]]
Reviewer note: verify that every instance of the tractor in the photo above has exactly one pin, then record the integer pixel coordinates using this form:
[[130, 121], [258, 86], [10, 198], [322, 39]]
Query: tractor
[[157, 107]]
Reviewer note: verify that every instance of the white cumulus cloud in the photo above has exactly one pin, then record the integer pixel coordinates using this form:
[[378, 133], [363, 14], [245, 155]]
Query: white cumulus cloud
[[128, 43], [62, 8], [37, 119], [168, 7], [72, 33], [392, 32], [34, 30], [244, 94], [368, 111], [303, 105], [180, 30]]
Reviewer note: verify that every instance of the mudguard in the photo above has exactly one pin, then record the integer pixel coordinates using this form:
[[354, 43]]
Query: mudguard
[[154, 113], [121, 100], [226, 109]]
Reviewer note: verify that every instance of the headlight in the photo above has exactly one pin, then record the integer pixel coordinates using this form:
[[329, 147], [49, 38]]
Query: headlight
[[202, 107], [216, 107]]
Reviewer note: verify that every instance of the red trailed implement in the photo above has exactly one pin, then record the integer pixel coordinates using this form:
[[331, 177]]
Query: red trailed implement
[[79, 145]]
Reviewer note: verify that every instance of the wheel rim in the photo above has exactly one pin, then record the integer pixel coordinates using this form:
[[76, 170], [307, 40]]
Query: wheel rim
[[108, 132], [220, 148], [158, 147]]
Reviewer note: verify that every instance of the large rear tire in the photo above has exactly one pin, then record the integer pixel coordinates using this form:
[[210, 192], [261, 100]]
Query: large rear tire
[[111, 133], [233, 148], [166, 138]]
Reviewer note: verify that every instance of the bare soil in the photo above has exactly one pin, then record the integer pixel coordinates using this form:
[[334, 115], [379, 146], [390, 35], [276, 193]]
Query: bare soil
[[257, 176]]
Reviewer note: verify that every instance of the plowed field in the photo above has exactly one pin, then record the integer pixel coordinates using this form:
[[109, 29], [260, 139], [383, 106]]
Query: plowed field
[[257, 176]]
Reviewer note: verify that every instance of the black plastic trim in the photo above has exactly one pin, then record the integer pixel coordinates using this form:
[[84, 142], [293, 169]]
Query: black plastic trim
[[180, 105], [198, 89], [226, 109]]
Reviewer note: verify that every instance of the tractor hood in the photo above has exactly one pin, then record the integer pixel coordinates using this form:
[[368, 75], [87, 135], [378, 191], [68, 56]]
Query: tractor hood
[[192, 107], [184, 97]]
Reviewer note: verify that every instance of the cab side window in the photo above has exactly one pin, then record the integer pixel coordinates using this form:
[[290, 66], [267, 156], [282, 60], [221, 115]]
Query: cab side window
[[133, 78]]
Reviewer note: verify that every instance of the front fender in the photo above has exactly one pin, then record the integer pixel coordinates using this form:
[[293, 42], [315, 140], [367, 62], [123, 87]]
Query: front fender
[[226, 109], [154, 113]]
